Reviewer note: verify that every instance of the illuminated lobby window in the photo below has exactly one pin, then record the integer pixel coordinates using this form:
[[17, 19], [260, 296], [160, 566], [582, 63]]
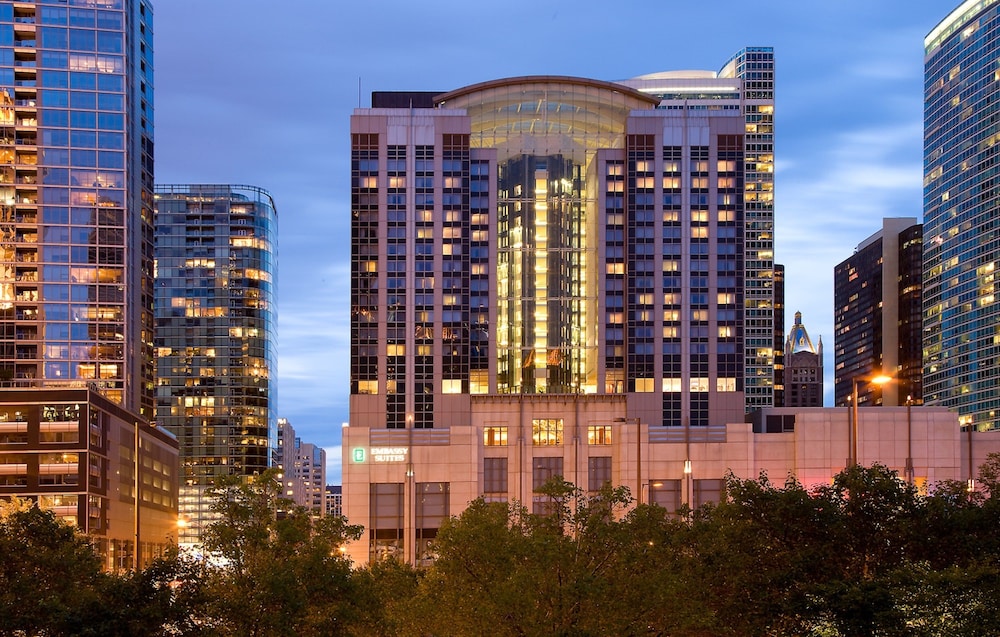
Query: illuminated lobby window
[[547, 431], [495, 436], [599, 435]]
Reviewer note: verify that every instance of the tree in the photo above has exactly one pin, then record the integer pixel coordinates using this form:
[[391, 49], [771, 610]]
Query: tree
[[278, 571], [50, 574]]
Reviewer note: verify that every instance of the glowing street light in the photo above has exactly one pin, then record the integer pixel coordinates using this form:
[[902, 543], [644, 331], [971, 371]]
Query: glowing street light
[[877, 380]]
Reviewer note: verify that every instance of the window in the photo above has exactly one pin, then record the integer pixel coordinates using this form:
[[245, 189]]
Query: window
[[494, 475], [709, 490], [544, 469], [546, 432], [495, 436], [725, 384], [665, 493], [599, 435], [598, 472]]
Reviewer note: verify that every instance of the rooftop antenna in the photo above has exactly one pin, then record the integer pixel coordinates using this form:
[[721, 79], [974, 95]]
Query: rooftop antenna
[[359, 91]]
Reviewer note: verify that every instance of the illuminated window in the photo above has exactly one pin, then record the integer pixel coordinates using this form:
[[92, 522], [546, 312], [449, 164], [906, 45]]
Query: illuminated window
[[725, 384], [699, 385], [494, 436], [395, 349], [599, 435], [451, 386], [643, 385], [367, 386], [547, 431], [671, 385]]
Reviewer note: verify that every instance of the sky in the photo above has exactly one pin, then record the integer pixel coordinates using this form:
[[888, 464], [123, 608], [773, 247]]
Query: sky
[[260, 92]]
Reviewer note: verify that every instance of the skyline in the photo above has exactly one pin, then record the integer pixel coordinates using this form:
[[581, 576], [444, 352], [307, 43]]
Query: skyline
[[849, 111]]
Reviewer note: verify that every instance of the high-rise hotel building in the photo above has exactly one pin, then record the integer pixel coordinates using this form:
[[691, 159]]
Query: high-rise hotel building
[[544, 260], [961, 217], [76, 287], [216, 339]]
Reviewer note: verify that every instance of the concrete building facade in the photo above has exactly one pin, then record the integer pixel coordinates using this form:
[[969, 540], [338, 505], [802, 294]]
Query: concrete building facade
[[526, 246]]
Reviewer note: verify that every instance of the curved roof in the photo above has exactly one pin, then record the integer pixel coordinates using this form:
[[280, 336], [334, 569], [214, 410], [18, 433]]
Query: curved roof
[[508, 82]]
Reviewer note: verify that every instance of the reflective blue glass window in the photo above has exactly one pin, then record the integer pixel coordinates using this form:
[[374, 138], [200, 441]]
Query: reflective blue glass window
[[109, 42], [52, 15], [110, 82], [109, 20], [110, 102], [53, 79], [53, 98], [82, 18], [53, 60], [83, 119], [54, 137], [110, 141], [87, 158], [82, 40], [83, 139], [86, 81], [53, 37], [110, 121], [83, 100]]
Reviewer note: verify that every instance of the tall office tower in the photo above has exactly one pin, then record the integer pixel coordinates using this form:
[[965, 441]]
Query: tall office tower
[[803, 368], [216, 339], [877, 314], [303, 468], [76, 127], [549, 248], [961, 219]]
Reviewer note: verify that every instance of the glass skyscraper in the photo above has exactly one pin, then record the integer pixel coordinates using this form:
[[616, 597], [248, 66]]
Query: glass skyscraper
[[961, 216], [216, 345], [76, 180]]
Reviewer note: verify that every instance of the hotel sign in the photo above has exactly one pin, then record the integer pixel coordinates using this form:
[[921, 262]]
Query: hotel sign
[[388, 454]]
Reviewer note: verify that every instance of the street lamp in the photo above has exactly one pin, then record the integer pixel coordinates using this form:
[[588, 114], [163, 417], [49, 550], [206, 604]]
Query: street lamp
[[877, 380]]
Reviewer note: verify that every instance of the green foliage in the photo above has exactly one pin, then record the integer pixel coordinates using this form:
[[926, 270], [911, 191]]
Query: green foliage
[[49, 573], [279, 571], [865, 555]]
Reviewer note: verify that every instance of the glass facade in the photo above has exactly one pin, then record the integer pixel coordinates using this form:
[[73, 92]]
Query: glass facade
[[960, 308], [216, 345], [547, 132], [76, 197]]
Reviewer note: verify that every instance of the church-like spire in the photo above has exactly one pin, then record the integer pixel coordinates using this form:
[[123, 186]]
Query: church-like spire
[[798, 338]]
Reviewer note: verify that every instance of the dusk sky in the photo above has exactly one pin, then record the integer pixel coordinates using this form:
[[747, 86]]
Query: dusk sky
[[259, 92]]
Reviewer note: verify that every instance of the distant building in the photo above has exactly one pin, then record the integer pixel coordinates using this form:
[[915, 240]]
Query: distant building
[[803, 368], [877, 316], [961, 305], [216, 345], [303, 467], [334, 500]]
